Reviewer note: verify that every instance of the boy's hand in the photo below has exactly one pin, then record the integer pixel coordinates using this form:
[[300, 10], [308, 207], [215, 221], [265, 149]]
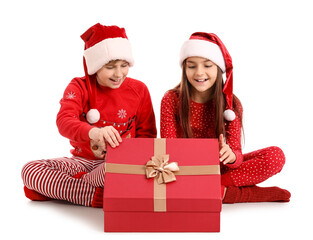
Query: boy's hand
[[106, 134], [97, 151], [226, 154]]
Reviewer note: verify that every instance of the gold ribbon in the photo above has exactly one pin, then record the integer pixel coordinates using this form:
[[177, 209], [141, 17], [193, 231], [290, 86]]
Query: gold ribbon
[[159, 168], [162, 172]]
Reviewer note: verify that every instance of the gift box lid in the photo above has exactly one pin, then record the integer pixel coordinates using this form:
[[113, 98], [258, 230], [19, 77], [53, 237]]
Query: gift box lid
[[135, 192]]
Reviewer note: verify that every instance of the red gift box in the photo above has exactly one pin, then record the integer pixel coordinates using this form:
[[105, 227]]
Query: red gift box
[[145, 192]]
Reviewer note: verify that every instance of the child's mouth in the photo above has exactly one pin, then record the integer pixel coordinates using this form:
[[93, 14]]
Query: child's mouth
[[116, 81], [201, 80]]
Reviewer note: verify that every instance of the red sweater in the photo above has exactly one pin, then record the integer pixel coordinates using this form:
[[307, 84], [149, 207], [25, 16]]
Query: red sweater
[[127, 108], [202, 123]]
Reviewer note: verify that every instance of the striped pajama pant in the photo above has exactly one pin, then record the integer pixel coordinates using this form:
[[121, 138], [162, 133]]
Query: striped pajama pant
[[54, 178]]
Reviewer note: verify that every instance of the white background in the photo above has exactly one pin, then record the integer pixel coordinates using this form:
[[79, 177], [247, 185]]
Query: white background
[[271, 46]]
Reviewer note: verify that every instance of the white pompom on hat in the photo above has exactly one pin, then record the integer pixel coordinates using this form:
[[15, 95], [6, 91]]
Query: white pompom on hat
[[93, 116], [208, 45], [102, 45]]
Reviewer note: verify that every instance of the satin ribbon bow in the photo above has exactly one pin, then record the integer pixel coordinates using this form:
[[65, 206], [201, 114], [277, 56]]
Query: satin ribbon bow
[[159, 167]]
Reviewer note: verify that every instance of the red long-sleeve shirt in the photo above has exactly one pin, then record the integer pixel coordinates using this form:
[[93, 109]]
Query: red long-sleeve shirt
[[202, 123], [127, 108]]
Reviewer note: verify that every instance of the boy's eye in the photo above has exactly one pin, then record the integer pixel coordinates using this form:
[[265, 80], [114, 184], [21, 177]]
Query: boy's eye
[[208, 66], [109, 67], [125, 65]]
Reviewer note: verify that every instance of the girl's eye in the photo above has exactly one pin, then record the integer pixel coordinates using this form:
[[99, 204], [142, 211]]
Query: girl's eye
[[124, 65], [191, 66], [109, 67], [208, 66]]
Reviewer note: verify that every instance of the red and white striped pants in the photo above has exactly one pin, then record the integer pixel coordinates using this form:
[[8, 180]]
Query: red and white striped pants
[[54, 178]]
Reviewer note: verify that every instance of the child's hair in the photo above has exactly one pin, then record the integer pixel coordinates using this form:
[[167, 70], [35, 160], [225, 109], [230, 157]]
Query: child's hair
[[183, 90]]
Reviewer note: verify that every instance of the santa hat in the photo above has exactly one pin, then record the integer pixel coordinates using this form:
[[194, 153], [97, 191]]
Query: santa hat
[[102, 45], [208, 45]]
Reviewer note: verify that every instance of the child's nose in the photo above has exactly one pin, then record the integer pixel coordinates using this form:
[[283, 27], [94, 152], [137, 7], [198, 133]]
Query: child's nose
[[118, 72], [199, 71]]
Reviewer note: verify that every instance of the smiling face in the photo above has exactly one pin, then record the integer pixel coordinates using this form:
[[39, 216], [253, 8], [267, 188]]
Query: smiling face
[[201, 74], [113, 74]]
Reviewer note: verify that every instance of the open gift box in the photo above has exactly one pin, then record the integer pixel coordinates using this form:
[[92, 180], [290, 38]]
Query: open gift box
[[162, 185]]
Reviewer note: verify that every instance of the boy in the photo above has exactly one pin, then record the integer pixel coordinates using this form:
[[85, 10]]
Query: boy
[[98, 109]]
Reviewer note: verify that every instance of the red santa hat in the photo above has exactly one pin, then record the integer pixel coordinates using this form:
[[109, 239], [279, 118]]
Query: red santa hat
[[102, 45], [208, 45]]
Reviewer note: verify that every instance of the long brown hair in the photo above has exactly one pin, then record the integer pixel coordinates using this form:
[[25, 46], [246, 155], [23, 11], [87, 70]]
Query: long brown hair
[[184, 91]]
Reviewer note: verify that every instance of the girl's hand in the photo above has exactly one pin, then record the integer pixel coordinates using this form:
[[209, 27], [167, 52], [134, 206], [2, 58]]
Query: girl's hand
[[226, 154], [100, 136]]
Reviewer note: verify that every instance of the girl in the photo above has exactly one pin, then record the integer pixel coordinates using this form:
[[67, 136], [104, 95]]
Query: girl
[[100, 108], [202, 106]]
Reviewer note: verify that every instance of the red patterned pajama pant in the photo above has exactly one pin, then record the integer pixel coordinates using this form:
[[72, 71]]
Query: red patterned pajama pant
[[54, 178], [257, 166]]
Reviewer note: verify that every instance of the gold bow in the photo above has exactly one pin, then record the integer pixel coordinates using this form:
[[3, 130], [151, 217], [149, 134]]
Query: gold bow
[[159, 167]]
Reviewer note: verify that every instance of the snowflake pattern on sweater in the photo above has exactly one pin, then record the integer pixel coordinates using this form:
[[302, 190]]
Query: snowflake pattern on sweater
[[128, 109]]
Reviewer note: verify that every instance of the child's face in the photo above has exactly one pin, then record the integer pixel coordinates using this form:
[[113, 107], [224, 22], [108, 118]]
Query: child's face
[[113, 74], [201, 74]]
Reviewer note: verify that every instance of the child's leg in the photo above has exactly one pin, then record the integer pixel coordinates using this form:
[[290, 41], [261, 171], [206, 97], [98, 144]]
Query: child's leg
[[96, 176], [255, 194], [57, 179], [257, 166]]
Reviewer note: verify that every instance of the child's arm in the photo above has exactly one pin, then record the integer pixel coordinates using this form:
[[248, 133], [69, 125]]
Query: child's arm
[[71, 110], [168, 116], [233, 139], [145, 121]]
